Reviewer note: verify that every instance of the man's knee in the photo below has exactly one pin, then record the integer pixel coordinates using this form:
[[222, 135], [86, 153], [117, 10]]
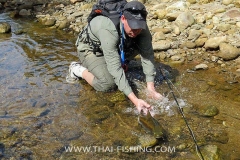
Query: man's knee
[[104, 86], [108, 87]]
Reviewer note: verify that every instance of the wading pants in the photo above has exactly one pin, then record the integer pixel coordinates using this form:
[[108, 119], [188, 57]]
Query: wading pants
[[103, 80]]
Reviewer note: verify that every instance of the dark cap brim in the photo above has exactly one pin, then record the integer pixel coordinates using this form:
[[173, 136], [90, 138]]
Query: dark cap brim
[[135, 22]]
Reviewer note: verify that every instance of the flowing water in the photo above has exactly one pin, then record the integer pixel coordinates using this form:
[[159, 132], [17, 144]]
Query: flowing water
[[42, 117]]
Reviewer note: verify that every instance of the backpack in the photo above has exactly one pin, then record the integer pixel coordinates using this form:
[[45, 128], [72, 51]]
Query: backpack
[[113, 10], [109, 8]]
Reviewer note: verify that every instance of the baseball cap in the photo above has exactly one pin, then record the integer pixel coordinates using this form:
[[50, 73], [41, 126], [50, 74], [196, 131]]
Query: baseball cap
[[136, 14]]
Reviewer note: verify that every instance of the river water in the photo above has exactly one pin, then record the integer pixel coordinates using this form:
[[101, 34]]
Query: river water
[[42, 116]]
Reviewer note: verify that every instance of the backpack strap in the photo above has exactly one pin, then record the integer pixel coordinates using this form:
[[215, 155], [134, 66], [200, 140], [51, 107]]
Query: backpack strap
[[96, 48]]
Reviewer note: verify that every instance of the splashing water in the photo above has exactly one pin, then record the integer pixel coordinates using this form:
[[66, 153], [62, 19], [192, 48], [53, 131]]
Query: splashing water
[[165, 106], [162, 106]]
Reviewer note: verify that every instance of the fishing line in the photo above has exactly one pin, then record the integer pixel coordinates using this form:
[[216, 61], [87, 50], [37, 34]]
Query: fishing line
[[169, 83]]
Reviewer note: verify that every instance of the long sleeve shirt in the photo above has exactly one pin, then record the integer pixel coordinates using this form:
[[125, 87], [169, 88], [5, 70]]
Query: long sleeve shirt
[[103, 32]]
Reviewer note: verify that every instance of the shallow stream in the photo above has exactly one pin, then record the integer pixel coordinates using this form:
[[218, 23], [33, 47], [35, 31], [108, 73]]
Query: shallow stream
[[41, 115]]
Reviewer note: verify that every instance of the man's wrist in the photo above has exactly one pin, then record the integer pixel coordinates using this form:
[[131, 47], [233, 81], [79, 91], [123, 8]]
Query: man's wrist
[[133, 98], [150, 86]]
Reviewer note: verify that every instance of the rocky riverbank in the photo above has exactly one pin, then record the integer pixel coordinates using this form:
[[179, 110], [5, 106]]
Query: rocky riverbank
[[183, 31], [206, 30]]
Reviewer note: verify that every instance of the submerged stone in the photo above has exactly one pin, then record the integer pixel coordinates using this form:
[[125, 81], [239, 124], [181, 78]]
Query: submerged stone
[[209, 111], [211, 152], [147, 140]]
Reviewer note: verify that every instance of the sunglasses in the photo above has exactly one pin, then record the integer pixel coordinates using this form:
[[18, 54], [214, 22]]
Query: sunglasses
[[135, 11]]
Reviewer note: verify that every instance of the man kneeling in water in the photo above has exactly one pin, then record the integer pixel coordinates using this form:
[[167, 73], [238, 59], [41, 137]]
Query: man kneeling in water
[[104, 71]]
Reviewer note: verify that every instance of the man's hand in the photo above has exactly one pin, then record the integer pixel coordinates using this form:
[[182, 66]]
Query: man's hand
[[139, 103], [142, 106], [152, 92]]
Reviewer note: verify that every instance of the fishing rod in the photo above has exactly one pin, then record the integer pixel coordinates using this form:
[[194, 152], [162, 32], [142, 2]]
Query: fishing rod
[[181, 111]]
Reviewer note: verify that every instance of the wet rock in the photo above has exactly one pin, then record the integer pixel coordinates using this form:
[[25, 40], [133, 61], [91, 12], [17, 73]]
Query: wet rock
[[63, 24], [211, 83], [25, 12], [201, 66], [49, 22], [160, 56], [228, 52], [44, 113], [176, 58], [211, 152], [46, 20], [19, 31], [220, 136], [5, 27], [208, 111], [147, 140], [182, 146]]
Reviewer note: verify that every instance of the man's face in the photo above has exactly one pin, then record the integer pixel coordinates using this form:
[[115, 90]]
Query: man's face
[[130, 32]]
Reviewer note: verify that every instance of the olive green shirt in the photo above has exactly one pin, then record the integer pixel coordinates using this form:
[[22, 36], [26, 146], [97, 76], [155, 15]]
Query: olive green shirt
[[102, 31]]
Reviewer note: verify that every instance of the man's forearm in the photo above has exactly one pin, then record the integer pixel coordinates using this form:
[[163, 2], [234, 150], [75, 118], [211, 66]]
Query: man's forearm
[[133, 98]]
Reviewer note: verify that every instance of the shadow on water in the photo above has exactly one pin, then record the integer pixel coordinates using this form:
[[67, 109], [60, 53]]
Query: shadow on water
[[43, 117]]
